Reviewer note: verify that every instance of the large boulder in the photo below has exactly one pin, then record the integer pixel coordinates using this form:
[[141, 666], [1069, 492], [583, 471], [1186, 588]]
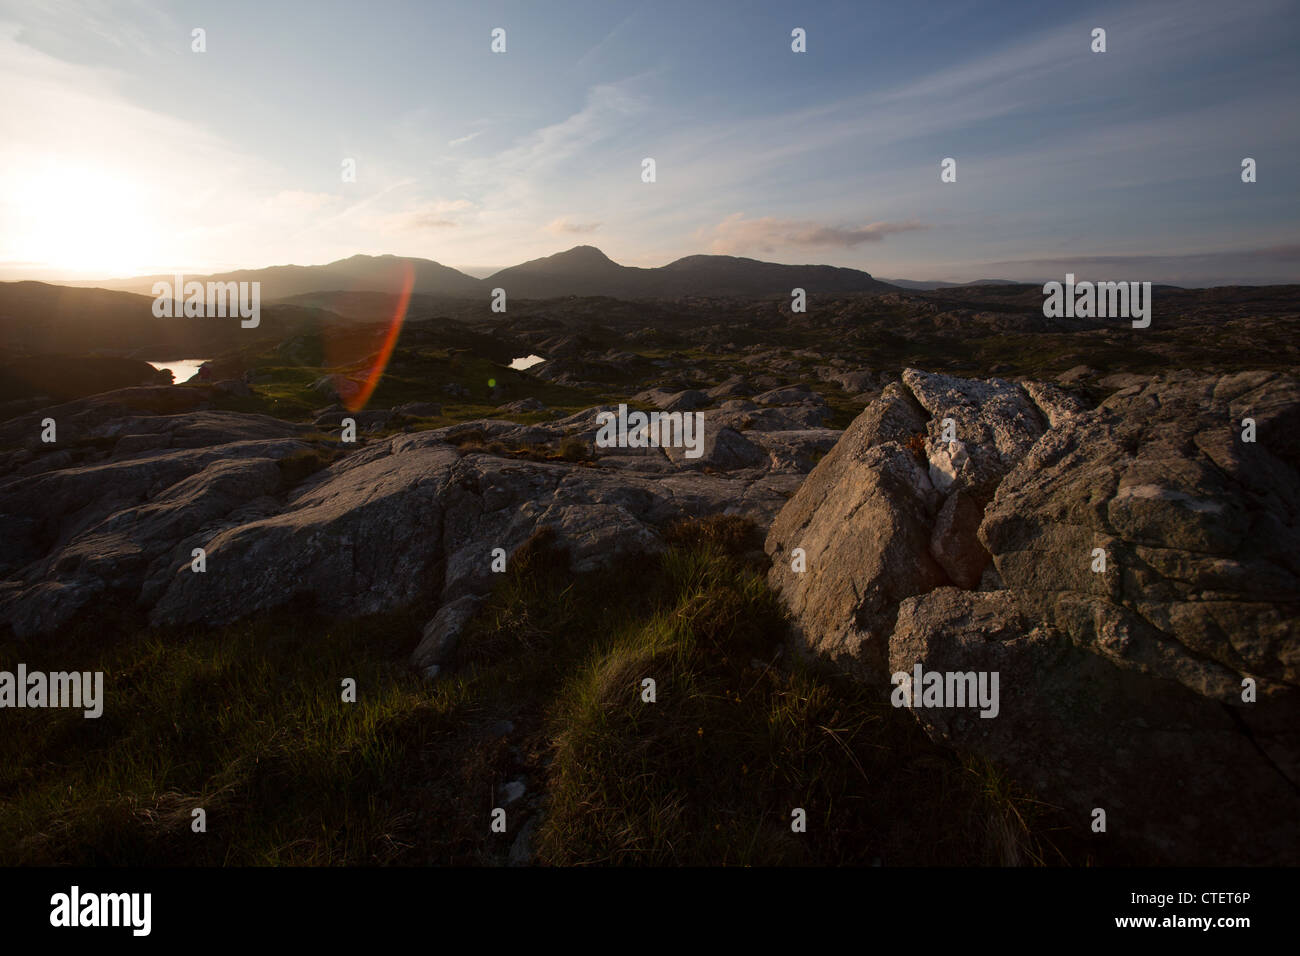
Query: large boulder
[[854, 541], [1139, 599]]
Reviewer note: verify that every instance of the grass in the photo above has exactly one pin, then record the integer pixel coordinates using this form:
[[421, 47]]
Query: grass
[[738, 740], [412, 375], [569, 449], [247, 722], [302, 464]]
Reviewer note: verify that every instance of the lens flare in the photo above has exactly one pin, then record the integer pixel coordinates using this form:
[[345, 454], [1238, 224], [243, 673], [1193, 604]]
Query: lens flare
[[357, 400]]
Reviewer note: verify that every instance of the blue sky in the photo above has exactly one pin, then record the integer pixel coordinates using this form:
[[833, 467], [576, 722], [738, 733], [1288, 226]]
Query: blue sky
[[125, 152]]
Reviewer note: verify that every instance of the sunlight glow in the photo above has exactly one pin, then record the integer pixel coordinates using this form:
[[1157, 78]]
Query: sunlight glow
[[75, 217]]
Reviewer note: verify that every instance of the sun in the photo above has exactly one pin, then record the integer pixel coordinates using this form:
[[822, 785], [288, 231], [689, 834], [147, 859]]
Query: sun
[[77, 219]]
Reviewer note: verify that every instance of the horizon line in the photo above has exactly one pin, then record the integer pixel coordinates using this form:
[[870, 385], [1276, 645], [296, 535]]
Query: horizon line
[[41, 274]]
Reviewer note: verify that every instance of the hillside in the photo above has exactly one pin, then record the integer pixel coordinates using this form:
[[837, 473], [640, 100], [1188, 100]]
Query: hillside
[[586, 271], [580, 271], [36, 318]]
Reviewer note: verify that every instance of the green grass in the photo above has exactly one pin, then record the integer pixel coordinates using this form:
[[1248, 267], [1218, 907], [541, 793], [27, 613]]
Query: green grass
[[247, 722], [710, 773], [413, 374]]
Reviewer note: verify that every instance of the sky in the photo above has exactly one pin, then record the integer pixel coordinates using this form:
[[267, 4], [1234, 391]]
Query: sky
[[125, 152]]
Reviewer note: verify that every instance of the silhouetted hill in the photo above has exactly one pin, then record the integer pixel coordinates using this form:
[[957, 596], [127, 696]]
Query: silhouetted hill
[[580, 271], [586, 271], [39, 318], [731, 275], [63, 377], [356, 273]]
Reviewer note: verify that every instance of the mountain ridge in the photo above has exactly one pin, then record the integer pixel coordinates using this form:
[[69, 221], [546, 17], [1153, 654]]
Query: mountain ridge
[[582, 270]]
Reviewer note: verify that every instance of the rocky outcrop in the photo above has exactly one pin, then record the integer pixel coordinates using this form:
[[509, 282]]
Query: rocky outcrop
[[854, 541], [1129, 570], [120, 503]]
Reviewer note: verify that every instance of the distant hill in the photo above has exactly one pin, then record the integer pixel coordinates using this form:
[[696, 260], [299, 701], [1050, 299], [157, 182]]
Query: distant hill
[[586, 271], [357, 274], [382, 306], [730, 275], [63, 378], [37, 318], [581, 271]]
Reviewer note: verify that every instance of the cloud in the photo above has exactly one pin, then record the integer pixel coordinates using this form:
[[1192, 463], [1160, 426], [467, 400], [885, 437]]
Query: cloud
[[1264, 265], [563, 226], [1281, 253], [462, 140], [429, 215], [738, 234], [516, 177]]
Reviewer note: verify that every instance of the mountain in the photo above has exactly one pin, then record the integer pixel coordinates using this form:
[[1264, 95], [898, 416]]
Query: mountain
[[358, 273], [580, 271], [731, 275], [586, 271]]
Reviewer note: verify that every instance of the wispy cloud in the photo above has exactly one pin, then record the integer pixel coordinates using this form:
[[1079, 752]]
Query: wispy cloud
[[1263, 264], [738, 234], [429, 215], [516, 175], [563, 226]]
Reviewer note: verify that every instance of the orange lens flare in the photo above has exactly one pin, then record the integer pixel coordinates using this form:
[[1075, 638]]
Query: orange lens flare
[[357, 401]]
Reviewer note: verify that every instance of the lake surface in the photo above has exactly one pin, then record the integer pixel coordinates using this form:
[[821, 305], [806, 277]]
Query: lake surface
[[182, 369], [526, 361]]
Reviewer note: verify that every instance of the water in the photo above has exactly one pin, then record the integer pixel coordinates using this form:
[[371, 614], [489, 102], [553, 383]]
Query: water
[[182, 369], [526, 361]]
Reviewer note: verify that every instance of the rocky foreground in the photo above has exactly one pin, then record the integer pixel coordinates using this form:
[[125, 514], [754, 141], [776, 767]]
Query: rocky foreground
[[957, 523], [1162, 689], [123, 499]]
